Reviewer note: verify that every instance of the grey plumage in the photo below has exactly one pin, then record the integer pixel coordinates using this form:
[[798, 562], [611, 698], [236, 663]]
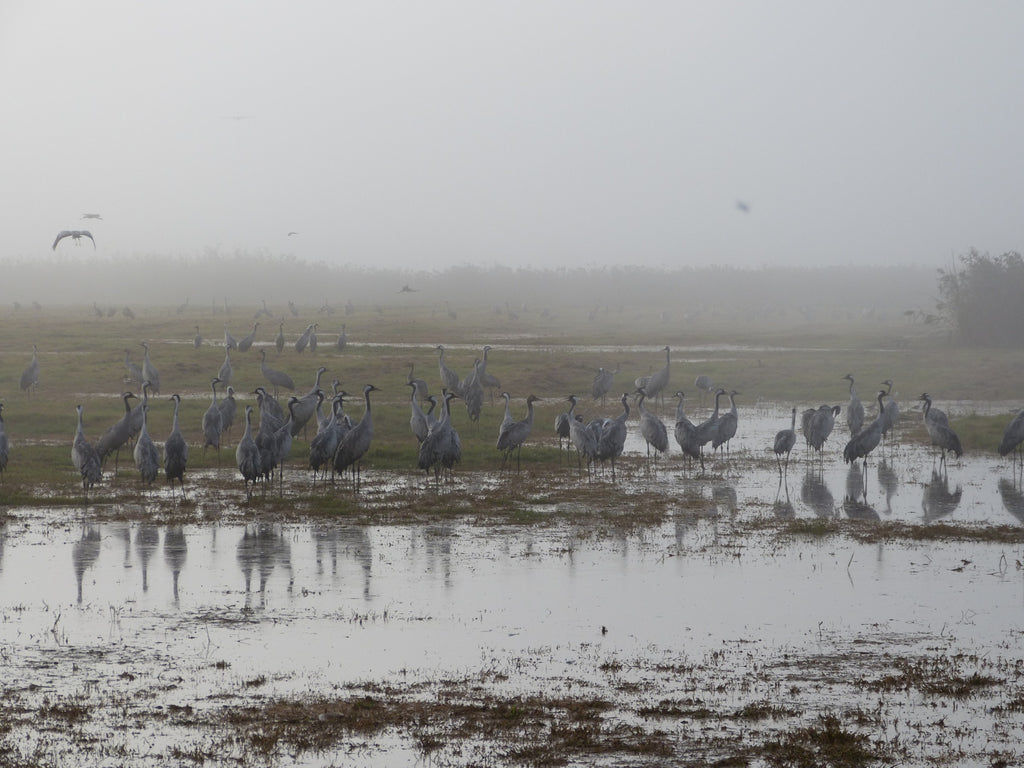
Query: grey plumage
[[1013, 435], [511, 439], [175, 451], [229, 341], [226, 371], [197, 341], [704, 385], [473, 392], [707, 430], [727, 424], [442, 448], [228, 407], [820, 425], [854, 409], [602, 383], [213, 423], [245, 343], [582, 438], [74, 234], [136, 413], [687, 434], [354, 445], [867, 439], [134, 372], [422, 390], [147, 459], [149, 371], [247, 456], [303, 341], [325, 443], [651, 427], [417, 418], [279, 340], [449, 378], [117, 434], [937, 424], [892, 410], [658, 380], [30, 376], [84, 456], [611, 436], [785, 439], [342, 339], [275, 377]]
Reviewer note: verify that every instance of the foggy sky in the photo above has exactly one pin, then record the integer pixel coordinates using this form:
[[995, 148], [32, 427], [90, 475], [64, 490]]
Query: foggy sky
[[426, 134]]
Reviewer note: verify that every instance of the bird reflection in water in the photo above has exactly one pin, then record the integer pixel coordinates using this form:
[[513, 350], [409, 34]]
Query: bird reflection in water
[[260, 549], [146, 542], [856, 505], [815, 493], [889, 481], [175, 552], [724, 497], [348, 542], [84, 554], [783, 507], [938, 501], [1013, 498]]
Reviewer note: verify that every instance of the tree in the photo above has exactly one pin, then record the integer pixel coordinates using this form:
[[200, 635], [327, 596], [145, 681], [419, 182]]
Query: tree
[[983, 298]]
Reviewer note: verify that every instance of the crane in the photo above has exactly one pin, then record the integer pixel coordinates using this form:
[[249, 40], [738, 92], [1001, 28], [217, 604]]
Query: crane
[[275, 377], [84, 457], [354, 445], [149, 371], [937, 424], [441, 450], [226, 371], [279, 340], [342, 339], [228, 407], [30, 376], [449, 378], [687, 434], [511, 439], [866, 439], [727, 424], [147, 459], [611, 436], [117, 434], [1013, 436], [175, 451], [247, 456], [651, 427], [854, 409], [785, 439], [245, 344], [74, 234], [213, 423]]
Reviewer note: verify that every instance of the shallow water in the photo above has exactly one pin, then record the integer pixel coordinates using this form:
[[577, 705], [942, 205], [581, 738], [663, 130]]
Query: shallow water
[[195, 615]]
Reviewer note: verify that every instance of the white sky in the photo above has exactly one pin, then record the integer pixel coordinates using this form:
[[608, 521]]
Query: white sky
[[425, 134]]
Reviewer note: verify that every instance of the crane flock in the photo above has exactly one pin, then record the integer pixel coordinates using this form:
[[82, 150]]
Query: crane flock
[[340, 444]]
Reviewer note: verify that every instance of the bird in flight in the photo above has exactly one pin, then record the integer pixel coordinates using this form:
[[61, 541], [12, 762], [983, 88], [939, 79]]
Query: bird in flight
[[92, 216], [292, 233], [74, 234], [407, 289], [742, 206]]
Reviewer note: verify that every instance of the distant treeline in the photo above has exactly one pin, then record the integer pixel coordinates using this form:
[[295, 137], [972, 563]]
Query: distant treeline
[[982, 298], [244, 279]]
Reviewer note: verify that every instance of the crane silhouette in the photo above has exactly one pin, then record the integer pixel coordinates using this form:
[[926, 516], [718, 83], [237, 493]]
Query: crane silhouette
[[74, 234]]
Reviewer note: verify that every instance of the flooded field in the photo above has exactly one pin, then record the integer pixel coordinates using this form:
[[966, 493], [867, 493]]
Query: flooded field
[[834, 618]]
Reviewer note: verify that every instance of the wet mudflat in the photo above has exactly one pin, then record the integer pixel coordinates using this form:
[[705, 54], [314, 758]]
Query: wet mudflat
[[840, 617]]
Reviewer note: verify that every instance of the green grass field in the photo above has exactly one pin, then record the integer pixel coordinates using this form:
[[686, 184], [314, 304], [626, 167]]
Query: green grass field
[[550, 354]]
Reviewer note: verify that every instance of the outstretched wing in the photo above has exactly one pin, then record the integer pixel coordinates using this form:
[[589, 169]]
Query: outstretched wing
[[60, 236], [87, 233]]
